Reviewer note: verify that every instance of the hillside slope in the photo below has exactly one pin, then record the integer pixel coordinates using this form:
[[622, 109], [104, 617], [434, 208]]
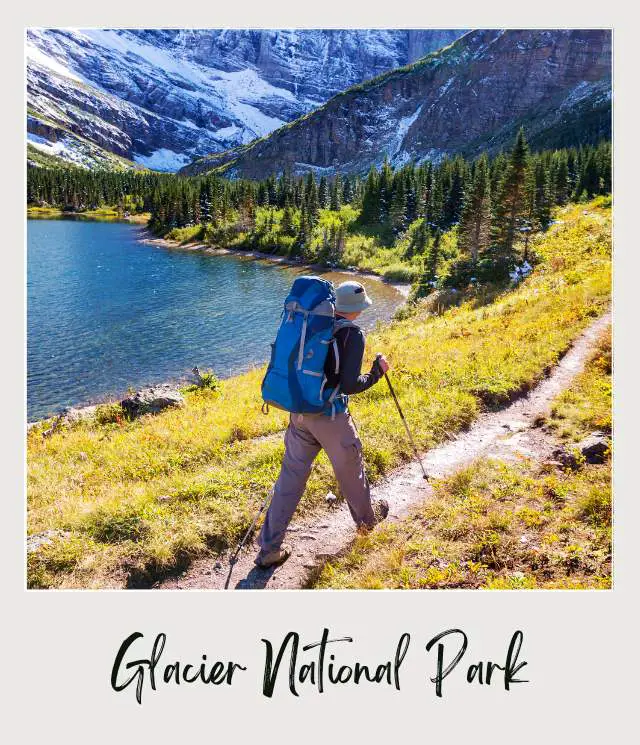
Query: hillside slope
[[466, 98], [117, 503], [514, 517]]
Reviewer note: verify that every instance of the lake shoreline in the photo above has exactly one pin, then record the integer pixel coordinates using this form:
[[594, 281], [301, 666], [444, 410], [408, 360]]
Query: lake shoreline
[[98, 215], [148, 237], [86, 409], [403, 288]]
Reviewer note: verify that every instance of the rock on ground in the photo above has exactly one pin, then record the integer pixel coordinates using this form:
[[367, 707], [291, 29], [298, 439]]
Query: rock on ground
[[43, 539], [152, 400], [594, 447]]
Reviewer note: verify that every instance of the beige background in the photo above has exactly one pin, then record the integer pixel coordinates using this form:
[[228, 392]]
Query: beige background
[[58, 647]]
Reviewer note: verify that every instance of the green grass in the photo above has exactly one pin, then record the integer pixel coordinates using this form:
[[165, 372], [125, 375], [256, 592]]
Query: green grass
[[141, 498], [185, 236], [99, 213], [499, 526], [586, 406], [492, 526], [33, 211]]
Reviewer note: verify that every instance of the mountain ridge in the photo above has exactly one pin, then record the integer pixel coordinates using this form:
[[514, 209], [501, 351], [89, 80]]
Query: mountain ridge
[[557, 82], [161, 97]]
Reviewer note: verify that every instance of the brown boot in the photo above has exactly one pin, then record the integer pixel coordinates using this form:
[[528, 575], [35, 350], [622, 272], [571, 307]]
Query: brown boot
[[273, 558]]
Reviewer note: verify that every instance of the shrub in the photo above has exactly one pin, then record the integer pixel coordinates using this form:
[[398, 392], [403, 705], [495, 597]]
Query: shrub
[[186, 235], [109, 414], [207, 382], [117, 524], [401, 273], [47, 564]]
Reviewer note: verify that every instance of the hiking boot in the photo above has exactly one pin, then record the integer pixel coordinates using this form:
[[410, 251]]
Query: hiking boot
[[273, 558], [380, 511]]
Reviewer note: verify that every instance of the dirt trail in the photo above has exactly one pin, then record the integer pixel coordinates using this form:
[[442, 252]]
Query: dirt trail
[[505, 434]]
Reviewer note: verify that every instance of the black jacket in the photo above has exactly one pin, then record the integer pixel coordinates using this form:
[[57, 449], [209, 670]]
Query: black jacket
[[351, 350]]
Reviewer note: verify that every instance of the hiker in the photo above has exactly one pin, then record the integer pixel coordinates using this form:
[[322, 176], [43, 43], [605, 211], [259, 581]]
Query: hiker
[[332, 429]]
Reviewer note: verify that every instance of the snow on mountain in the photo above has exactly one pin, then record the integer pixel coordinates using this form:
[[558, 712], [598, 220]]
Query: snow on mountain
[[162, 160], [469, 97], [164, 97]]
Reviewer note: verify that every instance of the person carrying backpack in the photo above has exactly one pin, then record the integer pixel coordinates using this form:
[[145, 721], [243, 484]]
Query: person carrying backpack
[[319, 325]]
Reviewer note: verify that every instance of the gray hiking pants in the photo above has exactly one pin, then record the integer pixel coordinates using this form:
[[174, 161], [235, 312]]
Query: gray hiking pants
[[305, 437]]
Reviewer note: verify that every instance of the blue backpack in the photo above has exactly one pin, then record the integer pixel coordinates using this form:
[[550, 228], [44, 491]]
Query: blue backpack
[[295, 379]]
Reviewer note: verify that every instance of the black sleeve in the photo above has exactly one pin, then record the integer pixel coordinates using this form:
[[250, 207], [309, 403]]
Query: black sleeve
[[351, 380]]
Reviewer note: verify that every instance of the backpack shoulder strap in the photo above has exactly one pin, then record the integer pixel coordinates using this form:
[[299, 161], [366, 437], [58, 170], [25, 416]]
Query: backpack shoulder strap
[[343, 323], [338, 325]]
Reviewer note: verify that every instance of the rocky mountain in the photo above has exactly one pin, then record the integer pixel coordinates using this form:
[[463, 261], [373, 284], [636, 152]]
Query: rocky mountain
[[468, 97], [162, 97]]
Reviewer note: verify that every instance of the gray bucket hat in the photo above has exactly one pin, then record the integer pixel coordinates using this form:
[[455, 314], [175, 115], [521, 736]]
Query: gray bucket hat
[[351, 297]]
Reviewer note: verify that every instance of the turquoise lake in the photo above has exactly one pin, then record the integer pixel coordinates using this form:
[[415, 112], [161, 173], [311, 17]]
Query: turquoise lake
[[106, 312]]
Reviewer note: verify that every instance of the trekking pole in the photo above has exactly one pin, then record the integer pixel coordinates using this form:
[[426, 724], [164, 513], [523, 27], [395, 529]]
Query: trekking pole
[[404, 421], [234, 558]]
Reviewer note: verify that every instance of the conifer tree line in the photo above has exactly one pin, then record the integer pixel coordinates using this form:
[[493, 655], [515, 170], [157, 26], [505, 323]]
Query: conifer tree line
[[496, 203], [78, 189]]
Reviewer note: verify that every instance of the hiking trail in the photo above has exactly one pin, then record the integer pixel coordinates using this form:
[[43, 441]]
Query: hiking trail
[[507, 434]]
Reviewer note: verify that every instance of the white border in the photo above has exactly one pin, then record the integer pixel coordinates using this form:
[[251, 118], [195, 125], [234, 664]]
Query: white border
[[579, 644]]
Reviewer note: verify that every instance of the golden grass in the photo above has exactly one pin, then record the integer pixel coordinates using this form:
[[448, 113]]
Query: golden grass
[[499, 526], [138, 499], [141, 218], [586, 406]]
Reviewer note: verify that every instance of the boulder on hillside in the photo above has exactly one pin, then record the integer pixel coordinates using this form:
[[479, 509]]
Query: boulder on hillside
[[439, 300], [45, 538], [73, 415], [594, 447], [151, 400]]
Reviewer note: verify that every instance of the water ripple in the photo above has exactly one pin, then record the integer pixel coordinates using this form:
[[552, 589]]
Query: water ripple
[[106, 312]]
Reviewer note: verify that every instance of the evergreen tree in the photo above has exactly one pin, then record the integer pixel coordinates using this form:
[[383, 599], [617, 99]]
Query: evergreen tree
[[429, 277], [370, 199], [347, 192], [398, 209], [544, 197], [474, 233], [511, 204], [498, 168], [311, 198], [604, 164], [422, 180], [561, 178], [286, 226], [385, 191], [336, 193], [419, 240], [411, 188], [205, 202], [435, 203], [454, 195], [588, 177], [323, 193]]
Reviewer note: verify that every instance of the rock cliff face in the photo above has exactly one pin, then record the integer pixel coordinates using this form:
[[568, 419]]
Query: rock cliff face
[[162, 97], [468, 97]]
